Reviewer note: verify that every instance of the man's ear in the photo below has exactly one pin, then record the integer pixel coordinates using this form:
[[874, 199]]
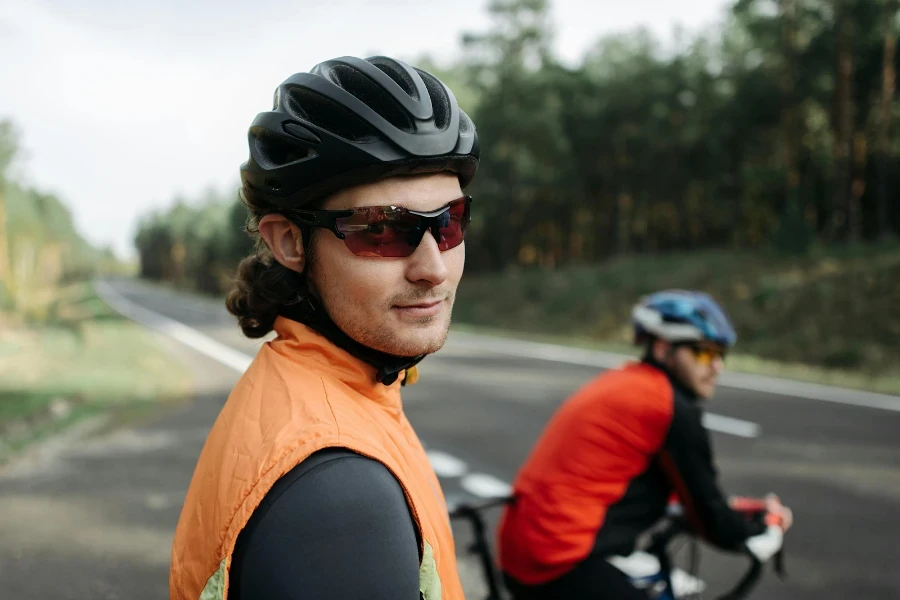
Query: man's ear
[[661, 350], [284, 240]]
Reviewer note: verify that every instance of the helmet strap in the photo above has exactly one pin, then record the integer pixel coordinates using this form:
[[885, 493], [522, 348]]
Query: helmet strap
[[309, 311]]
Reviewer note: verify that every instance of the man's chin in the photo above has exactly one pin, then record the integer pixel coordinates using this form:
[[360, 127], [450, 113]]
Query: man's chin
[[417, 341], [707, 393], [420, 346], [403, 339]]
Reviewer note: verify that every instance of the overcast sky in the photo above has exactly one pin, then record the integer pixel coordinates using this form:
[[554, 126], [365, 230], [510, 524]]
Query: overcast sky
[[122, 105]]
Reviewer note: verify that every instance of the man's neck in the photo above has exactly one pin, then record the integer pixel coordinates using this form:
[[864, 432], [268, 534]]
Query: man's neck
[[311, 313], [673, 378]]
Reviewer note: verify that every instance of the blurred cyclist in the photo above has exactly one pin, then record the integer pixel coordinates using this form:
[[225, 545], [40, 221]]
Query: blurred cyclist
[[312, 483], [612, 457]]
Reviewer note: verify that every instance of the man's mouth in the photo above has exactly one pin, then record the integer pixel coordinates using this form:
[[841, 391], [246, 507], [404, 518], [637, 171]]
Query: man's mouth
[[423, 308]]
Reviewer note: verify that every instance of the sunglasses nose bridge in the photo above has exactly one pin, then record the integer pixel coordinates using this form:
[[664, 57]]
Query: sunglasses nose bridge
[[431, 224], [435, 227], [416, 234]]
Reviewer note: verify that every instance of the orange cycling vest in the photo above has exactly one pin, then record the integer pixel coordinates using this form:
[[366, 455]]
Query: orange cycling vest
[[600, 439], [302, 394]]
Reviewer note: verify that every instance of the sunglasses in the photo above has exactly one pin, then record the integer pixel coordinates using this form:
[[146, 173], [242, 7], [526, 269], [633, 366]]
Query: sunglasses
[[391, 231], [705, 355]]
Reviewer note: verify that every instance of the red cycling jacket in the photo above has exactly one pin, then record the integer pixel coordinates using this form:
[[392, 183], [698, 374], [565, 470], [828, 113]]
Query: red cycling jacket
[[603, 471]]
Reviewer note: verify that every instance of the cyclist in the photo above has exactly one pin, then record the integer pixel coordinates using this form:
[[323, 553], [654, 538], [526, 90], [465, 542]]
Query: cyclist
[[613, 455], [312, 483]]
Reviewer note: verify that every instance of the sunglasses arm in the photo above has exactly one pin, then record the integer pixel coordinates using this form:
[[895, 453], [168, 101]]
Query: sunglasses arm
[[326, 219]]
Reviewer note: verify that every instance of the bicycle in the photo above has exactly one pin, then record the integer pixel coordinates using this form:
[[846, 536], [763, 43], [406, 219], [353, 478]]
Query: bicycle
[[650, 569]]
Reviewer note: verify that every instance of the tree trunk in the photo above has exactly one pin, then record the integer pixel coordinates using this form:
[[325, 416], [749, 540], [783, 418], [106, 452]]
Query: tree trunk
[[788, 116], [888, 82], [858, 186], [843, 197], [5, 270]]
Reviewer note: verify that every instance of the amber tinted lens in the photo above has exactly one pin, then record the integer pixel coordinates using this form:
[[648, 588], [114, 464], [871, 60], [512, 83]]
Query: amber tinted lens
[[705, 355]]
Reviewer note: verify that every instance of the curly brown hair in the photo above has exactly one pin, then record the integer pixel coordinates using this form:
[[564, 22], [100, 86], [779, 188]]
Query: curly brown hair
[[262, 285]]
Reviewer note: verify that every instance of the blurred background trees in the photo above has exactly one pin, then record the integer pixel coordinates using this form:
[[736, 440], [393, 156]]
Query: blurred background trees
[[757, 160], [40, 247], [776, 131]]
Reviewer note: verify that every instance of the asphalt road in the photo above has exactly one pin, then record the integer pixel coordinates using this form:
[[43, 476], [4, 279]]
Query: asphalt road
[[93, 518]]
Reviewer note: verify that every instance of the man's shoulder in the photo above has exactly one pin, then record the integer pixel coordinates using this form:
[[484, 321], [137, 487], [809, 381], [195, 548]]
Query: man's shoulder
[[270, 372], [636, 379], [635, 390], [275, 394]]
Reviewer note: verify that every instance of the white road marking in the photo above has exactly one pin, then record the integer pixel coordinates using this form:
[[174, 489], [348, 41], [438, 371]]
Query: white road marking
[[730, 379], [736, 427], [189, 337], [445, 465], [239, 361], [485, 486]]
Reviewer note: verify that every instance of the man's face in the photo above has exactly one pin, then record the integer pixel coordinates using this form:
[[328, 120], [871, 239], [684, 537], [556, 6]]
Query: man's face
[[697, 367], [401, 306]]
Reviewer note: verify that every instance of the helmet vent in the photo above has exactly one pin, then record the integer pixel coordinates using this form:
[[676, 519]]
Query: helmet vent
[[372, 95], [326, 114], [465, 124], [276, 151], [400, 77], [440, 102]]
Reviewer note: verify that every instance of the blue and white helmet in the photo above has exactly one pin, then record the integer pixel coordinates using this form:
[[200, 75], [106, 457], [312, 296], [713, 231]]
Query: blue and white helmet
[[682, 316]]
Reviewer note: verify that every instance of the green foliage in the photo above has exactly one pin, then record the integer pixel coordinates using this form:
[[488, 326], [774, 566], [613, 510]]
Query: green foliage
[[9, 146], [732, 140], [195, 245], [40, 247], [793, 235], [833, 307], [86, 360]]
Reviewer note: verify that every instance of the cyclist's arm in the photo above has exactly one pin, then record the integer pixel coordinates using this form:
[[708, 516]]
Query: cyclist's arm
[[337, 526], [687, 460]]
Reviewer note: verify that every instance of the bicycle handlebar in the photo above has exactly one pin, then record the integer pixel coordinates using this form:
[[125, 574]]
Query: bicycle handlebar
[[751, 578], [464, 509], [747, 583], [750, 508]]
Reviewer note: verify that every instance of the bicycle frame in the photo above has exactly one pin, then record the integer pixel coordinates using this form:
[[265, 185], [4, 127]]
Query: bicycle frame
[[648, 573], [480, 546], [676, 525], [658, 583]]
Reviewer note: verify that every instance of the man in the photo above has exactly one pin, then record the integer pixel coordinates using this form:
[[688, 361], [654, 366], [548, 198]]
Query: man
[[613, 455], [312, 484]]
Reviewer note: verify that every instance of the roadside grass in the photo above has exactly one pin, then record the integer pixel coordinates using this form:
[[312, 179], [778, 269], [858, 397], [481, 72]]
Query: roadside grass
[[888, 383], [830, 317], [83, 360]]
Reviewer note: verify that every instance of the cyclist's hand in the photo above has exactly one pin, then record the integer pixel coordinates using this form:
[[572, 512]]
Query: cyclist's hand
[[777, 513], [748, 506]]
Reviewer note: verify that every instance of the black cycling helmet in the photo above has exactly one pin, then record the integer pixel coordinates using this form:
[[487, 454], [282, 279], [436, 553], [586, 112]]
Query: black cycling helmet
[[350, 121]]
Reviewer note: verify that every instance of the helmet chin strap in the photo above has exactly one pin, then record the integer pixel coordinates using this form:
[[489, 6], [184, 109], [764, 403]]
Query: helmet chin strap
[[310, 312]]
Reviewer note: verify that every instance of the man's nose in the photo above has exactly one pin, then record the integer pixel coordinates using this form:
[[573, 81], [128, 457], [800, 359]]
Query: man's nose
[[426, 264]]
